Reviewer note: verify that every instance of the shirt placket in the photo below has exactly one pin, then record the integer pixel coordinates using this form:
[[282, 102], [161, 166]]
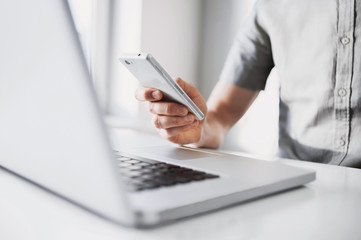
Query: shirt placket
[[344, 70]]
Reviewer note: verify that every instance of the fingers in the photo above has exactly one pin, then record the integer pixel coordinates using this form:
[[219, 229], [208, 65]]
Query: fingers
[[190, 89], [179, 130], [166, 122], [172, 120], [148, 94], [168, 108], [194, 94]]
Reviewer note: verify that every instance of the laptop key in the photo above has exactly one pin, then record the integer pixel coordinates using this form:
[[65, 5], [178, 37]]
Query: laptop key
[[182, 179], [134, 167], [144, 164], [132, 161], [209, 176], [122, 159], [124, 164], [131, 174]]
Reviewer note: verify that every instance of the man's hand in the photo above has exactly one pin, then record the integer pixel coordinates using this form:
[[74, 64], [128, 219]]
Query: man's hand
[[172, 120]]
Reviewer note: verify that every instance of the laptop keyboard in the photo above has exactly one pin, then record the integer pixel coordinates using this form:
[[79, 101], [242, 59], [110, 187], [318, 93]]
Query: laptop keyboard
[[149, 174]]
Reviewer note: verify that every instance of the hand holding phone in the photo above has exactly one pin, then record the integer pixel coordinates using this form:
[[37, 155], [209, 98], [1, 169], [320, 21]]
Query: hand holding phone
[[172, 120], [151, 74]]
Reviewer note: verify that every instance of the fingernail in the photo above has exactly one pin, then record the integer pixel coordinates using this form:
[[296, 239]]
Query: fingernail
[[156, 94], [189, 118], [182, 111]]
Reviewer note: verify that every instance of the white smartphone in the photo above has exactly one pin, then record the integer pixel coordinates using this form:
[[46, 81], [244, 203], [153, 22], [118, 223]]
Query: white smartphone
[[151, 74]]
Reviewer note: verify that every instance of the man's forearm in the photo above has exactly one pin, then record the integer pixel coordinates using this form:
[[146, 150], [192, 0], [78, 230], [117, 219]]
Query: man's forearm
[[226, 105]]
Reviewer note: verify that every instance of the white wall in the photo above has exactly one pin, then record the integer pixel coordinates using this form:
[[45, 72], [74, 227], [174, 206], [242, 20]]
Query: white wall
[[170, 32], [192, 37], [221, 20], [126, 33]]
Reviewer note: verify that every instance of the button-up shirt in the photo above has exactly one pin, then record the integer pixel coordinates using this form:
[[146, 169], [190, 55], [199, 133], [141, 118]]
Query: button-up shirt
[[316, 47]]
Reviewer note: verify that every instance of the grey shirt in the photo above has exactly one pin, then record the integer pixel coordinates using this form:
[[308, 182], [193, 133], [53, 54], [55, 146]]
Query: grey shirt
[[316, 47]]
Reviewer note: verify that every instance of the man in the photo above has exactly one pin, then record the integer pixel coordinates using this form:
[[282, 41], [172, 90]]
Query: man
[[316, 48]]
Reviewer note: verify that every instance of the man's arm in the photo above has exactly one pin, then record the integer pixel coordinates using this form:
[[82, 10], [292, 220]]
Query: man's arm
[[244, 74], [226, 105]]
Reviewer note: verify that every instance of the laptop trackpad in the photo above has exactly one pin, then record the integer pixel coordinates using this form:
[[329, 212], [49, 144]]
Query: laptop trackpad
[[177, 153]]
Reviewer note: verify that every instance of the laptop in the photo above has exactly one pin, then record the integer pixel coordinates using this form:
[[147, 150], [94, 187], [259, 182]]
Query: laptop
[[53, 135]]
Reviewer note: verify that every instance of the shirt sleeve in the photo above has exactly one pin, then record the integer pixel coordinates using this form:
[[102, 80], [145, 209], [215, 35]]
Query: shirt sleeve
[[249, 61]]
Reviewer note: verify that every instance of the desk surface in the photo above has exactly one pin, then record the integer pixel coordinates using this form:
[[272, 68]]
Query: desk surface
[[328, 208]]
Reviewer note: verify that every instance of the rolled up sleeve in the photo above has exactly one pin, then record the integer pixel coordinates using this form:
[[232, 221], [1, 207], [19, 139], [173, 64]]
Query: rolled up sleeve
[[249, 60]]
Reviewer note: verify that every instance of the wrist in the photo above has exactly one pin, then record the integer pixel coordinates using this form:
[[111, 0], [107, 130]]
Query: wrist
[[212, 133]]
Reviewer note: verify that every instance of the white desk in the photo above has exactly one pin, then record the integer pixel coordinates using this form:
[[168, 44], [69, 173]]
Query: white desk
[[328, 208]]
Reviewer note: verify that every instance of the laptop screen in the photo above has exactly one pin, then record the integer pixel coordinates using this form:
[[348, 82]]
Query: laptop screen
[[51, 129]]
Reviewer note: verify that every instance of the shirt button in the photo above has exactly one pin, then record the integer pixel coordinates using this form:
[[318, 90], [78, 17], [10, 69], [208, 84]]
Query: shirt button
[[342, 142], [345, 40], [342, 92]]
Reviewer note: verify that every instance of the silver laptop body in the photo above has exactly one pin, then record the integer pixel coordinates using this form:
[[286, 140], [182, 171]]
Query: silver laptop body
[[52, 132]]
